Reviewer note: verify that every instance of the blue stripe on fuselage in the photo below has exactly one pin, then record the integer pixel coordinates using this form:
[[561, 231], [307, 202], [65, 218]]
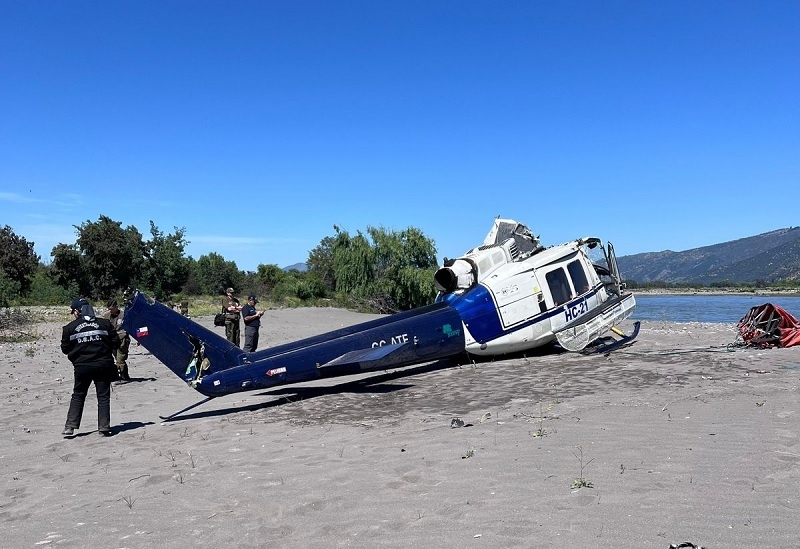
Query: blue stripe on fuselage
[[481, 316]]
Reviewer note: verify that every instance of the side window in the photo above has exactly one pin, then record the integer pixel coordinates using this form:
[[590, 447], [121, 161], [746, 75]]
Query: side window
[[578, 276], [559, 286]]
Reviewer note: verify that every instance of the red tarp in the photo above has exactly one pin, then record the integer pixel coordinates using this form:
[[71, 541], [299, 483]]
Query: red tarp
[[767, 325]]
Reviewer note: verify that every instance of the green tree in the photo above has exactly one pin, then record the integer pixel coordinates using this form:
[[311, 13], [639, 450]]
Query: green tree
[[268, 276], [112, 256], [45, 289], [104, 260], [214, 274], [310, 287], [353, 264], [393, 270], [165, 270], [320, 262], [68, 268], [9, 289], [193, 285], [17, 259]]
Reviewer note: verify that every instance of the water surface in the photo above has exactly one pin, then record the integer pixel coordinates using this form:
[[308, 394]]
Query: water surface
[[706, 308]]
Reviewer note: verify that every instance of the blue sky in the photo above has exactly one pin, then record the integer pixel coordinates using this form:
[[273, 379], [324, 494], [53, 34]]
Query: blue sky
[[257, 126]]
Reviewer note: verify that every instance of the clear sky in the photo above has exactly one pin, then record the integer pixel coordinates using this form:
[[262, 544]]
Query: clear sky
[[259, 125]]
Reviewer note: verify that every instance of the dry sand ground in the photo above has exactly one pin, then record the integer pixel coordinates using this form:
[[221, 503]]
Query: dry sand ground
[[680, 438]]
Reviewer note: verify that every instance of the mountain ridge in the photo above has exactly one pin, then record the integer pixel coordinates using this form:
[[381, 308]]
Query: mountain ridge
[[769, 257]]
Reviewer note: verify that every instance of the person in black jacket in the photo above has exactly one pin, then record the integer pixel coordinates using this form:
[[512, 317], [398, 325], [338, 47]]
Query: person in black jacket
[[252, 322], [90, 343]]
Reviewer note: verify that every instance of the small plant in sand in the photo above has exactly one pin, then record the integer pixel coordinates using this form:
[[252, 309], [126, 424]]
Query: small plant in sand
[[581, 481], [469, 454], [129, 501], [541, 431], [30, 350]]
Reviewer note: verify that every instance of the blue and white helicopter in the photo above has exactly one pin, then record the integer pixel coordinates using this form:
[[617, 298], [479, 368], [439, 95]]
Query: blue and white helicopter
[[508, 295]]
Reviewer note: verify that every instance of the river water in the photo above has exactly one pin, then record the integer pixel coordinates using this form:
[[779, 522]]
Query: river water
[[706, 308]]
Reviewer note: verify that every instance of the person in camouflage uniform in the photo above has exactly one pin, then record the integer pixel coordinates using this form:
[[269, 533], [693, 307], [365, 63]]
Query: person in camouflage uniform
[[115, 316], [232, 310]]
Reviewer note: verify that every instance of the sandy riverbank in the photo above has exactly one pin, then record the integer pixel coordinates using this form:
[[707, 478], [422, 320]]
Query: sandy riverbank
[[679, 438]]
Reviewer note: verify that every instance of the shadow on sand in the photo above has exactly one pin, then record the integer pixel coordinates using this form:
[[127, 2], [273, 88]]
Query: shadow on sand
[[374, 384]]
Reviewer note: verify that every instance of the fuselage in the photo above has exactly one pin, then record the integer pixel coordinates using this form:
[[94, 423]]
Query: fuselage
[[508, 295], [512, 304]]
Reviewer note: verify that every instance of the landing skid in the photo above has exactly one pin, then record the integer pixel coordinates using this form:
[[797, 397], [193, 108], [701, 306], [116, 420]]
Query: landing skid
[[617, 344], [179, 412]]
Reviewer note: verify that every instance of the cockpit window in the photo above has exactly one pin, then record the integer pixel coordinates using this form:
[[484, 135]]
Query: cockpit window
[[559, 286], [579, 281]]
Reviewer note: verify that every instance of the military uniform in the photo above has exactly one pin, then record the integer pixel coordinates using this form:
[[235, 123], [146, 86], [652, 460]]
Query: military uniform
[[121, 354], [232, 317]]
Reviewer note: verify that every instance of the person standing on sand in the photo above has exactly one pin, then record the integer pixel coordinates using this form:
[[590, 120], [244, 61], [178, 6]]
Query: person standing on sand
[[89, 343], [232, 310], [115, 316], [252, 323]]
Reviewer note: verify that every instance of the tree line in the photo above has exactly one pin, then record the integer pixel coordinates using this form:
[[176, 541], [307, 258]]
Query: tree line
[[379, 270], [758, 284]]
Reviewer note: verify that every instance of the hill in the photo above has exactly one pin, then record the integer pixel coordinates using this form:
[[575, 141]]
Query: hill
[[768, 257], [302, 267]]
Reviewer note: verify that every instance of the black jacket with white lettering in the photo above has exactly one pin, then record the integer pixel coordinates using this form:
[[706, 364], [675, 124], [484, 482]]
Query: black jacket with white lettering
[[89, 340]]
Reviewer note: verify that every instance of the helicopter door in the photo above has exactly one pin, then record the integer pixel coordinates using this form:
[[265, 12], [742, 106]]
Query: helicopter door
[[517, 297], [611, 261]]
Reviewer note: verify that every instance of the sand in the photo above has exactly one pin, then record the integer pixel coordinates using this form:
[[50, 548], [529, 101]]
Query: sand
[[676, 438]]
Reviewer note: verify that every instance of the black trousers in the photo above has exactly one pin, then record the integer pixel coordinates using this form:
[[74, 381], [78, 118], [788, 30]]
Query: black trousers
[[250, 338], [102, 376]]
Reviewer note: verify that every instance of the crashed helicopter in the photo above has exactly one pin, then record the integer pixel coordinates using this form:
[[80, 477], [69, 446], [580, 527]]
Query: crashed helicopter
[[508, 295]]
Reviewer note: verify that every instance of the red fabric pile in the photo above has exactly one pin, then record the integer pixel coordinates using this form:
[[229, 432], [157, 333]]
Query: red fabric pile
[[768, 325]]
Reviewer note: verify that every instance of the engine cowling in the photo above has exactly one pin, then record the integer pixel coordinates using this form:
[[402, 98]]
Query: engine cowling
[[456, 274]]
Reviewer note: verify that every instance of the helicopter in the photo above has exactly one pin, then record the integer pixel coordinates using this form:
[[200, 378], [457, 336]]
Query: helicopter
[[508, 295]]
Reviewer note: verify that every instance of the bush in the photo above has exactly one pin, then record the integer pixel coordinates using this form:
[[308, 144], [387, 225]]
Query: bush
[[46, 291], [9, 289]]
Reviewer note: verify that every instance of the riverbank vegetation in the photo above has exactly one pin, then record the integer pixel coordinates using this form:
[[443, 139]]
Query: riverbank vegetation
[[379, 270]]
